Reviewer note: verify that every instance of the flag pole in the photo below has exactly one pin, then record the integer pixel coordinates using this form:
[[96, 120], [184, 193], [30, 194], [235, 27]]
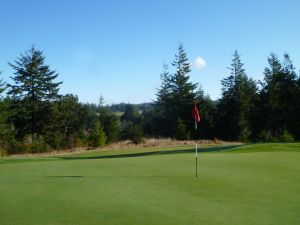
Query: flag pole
[[196, 116], [196, 152]]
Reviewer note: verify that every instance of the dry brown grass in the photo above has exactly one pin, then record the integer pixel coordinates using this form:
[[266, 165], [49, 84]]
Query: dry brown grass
[[123, 145], [161, 142]]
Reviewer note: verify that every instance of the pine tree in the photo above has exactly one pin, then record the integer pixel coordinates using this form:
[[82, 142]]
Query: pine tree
[[109, 121], [5, 131], [163, 93], [32, 89], [163, 103], [176, 96], [131, 124], [297, 110], [207, 109], [97, 137], [183, 91], [236, 103], [2, 86], [279, 98]]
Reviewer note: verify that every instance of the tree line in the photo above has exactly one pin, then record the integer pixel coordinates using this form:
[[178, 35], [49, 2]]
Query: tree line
[[35, 117]]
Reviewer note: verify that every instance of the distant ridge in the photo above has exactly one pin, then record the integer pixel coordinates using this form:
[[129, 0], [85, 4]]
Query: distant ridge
[[140, 107]]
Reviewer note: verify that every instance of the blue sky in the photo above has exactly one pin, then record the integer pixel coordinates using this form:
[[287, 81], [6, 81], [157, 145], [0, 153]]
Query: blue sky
[[117, 48]]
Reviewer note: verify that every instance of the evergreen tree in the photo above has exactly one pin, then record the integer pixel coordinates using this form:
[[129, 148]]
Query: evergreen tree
[[278, 98], [97, 137], [176, 96], [32, 91], [236, 103], [2, 86], [131, 125], [163, 93], [207, 110], [109, 121], [6, 134], [152, 123], [163, 103], [69, 112], [296, 128]]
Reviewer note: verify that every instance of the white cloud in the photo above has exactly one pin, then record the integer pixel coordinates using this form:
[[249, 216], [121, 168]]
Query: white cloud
[[199, 63]]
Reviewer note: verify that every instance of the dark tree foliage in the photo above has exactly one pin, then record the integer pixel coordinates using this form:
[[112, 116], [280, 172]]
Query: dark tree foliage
[[97, 137], [3, 86], [89, 116], [110, 123], [207, 110], [6, 134], [164, 92], [175, 98], [121, 107], [64, 122], [33, 88], [131, 125], [152, 122], [238, 97], [296, 113], [278, 99], [35, 118], [164, 102]]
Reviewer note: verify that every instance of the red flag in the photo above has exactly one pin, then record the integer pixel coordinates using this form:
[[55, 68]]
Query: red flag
[[196, 115]]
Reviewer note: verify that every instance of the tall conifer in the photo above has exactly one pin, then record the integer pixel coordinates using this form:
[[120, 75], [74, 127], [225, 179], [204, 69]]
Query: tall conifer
[[33, 88]]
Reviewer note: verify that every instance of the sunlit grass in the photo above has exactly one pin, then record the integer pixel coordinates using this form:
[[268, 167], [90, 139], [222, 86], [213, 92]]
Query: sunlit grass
[[249, 184]]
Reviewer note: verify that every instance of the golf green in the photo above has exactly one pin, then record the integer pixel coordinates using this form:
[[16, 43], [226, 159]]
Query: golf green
[[246, 185]]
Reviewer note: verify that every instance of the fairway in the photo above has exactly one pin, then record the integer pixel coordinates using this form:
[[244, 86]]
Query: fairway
[[247, 185]]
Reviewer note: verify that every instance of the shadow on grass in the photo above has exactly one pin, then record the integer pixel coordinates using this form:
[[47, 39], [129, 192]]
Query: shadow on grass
[[140, 154], [118, 176], [25, 160], [65, 176]]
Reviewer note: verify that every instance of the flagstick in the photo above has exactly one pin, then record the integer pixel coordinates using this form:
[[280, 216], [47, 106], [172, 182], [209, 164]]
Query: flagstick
[[196, 151], [196, 116]]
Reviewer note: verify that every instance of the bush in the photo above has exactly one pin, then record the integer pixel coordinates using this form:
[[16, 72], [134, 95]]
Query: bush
[[135, 134], [14, 147], [54, 140], [3, 152], [97, 137], [34, 145], [38, 147], [244, 135], [8, 144], [181, 132], [82, 139], [286, 137]]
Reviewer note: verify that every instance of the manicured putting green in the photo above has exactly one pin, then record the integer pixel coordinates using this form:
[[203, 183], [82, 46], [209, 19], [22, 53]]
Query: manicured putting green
[[246, 185]]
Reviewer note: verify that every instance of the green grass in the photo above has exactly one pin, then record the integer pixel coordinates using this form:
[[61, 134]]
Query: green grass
[[247, 185]]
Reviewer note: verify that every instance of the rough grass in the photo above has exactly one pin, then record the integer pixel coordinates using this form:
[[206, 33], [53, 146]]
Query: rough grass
[[149, 143], [249, 184]]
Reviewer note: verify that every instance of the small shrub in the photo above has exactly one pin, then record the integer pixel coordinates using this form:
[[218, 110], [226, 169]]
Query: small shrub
[[3, 152], [244, 135], [181, 132], [38, 147], [14, 147], [35, 145], [135, 134], [97, 137], [82, 139], [286, 137], [266, 136], [54, 140]]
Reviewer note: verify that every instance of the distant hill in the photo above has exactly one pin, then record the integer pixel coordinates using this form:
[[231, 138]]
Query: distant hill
[[140, 107]]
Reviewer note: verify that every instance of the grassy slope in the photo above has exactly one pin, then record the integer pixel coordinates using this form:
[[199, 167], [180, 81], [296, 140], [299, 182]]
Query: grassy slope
[[252, 184]]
